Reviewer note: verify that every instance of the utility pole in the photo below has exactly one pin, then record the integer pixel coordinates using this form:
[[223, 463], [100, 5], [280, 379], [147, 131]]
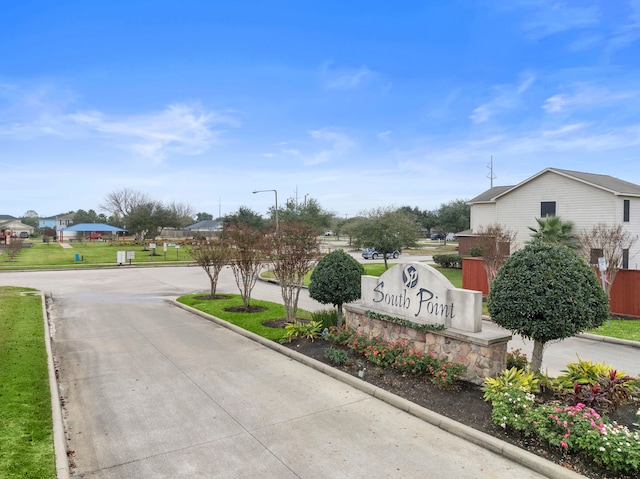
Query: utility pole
[[491, 176]]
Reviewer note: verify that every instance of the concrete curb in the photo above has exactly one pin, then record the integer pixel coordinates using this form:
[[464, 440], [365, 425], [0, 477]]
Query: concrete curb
[[607, 339], [497, 446], [59, 439]]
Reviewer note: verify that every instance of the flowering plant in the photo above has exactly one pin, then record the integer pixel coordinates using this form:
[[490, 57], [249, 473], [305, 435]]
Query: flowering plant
[[573, 428], [517, 359], [447, 375], [415, 362], [378, 352]]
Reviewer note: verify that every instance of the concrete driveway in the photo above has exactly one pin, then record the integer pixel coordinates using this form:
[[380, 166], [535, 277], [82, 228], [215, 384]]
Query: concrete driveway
[[153, 391]]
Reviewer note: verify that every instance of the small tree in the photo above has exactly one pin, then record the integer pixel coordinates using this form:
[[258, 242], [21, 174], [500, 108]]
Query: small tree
[[211, 256], [387, 229], [552, 229], [336, 280], [494, 245], [294, 250], [545, 292], [249, 249], [610, 243]]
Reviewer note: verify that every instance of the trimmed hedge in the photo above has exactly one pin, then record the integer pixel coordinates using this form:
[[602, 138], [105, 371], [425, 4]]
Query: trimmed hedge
[[448, 260]]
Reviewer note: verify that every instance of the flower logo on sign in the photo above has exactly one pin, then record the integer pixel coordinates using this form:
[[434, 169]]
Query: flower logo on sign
[[410, 277]]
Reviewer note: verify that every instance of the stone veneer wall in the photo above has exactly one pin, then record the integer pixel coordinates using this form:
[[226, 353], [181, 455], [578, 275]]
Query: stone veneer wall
[[483, 355]]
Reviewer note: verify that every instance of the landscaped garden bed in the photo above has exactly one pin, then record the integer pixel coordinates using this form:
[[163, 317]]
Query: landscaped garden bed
[[465, 403]]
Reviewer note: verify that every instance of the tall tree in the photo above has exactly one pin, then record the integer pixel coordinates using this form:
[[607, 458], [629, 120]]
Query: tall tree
[[336, 280], [182, 214], [249, 250], [293, 253], [82, 216], [122, 203], [211, 256], [309, 211], [454, 216], [552, 229], [203, 217], [30, 218], [609, 242], [387, 229], [425, 218], [545, 292], [246, 216]]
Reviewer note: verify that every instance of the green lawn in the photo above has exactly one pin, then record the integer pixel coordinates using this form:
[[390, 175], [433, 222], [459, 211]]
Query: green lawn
[[91, 254], [620, 328], [26, 433], [249, 321]]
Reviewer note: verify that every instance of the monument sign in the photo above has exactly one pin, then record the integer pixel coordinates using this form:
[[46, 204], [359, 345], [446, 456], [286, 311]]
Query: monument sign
[[420, 293]]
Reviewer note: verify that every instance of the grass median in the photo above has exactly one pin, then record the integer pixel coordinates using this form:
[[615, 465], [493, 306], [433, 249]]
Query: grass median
[[250, 321], [89, 254], [26, 431]]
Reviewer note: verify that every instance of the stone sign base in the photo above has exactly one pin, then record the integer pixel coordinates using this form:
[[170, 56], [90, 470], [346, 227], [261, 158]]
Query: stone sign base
[[484, 354]]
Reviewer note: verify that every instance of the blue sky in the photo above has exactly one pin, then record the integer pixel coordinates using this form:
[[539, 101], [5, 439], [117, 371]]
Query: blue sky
[[355, 104]]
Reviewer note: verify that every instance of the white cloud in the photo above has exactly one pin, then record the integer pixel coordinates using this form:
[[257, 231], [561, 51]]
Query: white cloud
[[179, 128], [346, 78], [586, 96], [334, 146], [629, 33], [548, 17], [505, 98]]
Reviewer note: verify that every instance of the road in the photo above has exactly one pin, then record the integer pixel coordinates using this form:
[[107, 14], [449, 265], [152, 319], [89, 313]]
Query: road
[[153, 391]]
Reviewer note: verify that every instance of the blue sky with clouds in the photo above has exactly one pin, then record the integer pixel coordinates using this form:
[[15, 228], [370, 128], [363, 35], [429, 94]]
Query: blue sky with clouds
[[355, 104]]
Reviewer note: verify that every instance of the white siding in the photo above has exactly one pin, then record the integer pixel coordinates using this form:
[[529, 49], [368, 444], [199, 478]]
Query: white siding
[[580, 203], [483, 215], [633, 227]]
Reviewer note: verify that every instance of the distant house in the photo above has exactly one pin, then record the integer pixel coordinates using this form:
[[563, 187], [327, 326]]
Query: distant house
[[11, 227], [585, 199], [56, 222], [206, 228]]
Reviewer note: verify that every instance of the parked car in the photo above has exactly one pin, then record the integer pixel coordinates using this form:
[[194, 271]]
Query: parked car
[[373, 253], [437, 236], [24, 234], [95, 236], [328, 233]]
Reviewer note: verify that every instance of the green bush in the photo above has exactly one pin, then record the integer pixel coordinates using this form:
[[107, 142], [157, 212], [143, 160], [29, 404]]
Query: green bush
[[336, 355], [448, 260], [583, 372], [546, 292], [328, 317], [309, 330], [509, 379]]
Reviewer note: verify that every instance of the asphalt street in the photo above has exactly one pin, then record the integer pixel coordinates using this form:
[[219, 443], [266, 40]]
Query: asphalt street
[[151, 390]]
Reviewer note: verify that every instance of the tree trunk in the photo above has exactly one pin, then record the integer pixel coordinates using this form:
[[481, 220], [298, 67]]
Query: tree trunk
[[536, 357], [339, 315]]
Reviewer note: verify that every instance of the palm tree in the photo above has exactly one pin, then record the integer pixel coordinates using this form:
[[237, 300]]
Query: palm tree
[[552, 229]]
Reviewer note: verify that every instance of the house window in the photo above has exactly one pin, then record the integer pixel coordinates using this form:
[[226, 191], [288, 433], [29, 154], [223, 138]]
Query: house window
[[626, 208], [595, 254], [625, 258], [547, 208]]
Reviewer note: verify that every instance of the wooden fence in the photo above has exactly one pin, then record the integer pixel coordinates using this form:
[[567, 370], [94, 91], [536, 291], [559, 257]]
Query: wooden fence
[[625, 293]]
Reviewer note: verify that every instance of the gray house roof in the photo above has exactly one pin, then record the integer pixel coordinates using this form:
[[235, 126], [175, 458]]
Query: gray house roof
[[206, 225], [490, 194], [605, 182]]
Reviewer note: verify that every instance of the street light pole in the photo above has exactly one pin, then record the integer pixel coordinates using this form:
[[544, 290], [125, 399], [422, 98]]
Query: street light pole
[[276, 193]]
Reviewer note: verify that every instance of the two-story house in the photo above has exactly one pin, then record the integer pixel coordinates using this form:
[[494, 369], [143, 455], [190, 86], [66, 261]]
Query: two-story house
[[585, 199]]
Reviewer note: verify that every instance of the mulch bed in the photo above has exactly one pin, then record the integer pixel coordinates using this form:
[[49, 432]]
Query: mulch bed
[[465, 406]]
